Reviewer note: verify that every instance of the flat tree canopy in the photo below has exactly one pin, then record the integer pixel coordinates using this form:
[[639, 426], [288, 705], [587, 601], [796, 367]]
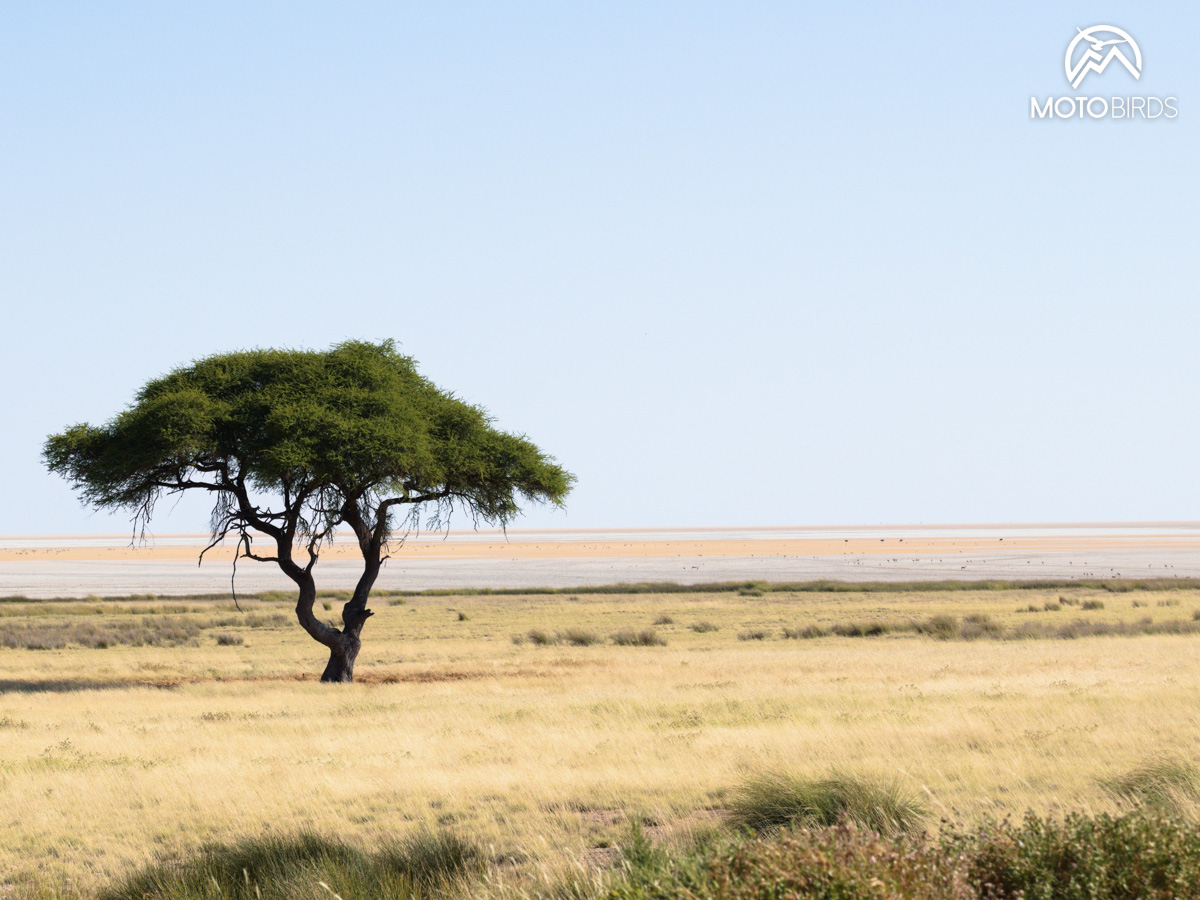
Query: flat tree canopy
[[292, 444]]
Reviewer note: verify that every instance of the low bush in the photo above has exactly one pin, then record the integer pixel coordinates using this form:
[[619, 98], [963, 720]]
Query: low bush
[[706, 627], [1140, 856], [1092, 604], [541, 638], [1082, 858], [664, 620], [230, 640]]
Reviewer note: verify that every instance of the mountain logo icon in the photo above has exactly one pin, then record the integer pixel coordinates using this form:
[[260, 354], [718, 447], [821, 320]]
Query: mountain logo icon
[[1102, 44]]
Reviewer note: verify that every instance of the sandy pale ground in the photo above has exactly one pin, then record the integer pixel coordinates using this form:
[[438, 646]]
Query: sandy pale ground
[[106, 565]]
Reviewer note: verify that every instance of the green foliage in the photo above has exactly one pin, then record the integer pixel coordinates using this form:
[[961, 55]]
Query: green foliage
[[307, 865], [772, 800], [1132, 857], [1083, 858], [837, 863], [704, 627], [356, 422], [753, 634]]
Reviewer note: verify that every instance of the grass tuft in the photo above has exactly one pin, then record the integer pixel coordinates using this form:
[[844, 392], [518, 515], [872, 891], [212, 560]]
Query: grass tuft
[[1165, 783], [647, 637], [772, 800], [284, 867], [753, 634], [577, 637], [808, 632], [706, 627]]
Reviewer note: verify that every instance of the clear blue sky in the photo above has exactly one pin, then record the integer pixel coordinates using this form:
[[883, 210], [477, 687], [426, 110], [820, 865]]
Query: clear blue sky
[[733, 264]]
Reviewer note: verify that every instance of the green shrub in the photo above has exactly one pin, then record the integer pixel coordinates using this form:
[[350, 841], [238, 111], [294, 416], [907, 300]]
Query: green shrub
[[705, 627], [839, 863], [229, 640], [1092, 604], [772, 800], [1076, 858], [1055, 607], [664, 620], [647, 637], [541, 638], [1082, 858]]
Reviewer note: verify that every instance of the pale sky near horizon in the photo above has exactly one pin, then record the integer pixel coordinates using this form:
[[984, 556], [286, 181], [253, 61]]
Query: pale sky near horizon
[[733, 264]]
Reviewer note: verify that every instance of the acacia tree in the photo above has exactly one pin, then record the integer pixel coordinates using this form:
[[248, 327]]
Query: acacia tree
[[292, 444]]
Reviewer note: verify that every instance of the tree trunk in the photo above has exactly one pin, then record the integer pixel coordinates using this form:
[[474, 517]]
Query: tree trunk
[[342, 655], [344, 644], [343, 651]]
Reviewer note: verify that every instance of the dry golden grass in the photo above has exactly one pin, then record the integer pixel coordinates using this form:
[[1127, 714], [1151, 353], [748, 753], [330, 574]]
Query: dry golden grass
[[109, 757]]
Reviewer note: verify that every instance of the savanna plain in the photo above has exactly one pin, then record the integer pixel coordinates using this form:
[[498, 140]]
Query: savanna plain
[[551, 731]]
